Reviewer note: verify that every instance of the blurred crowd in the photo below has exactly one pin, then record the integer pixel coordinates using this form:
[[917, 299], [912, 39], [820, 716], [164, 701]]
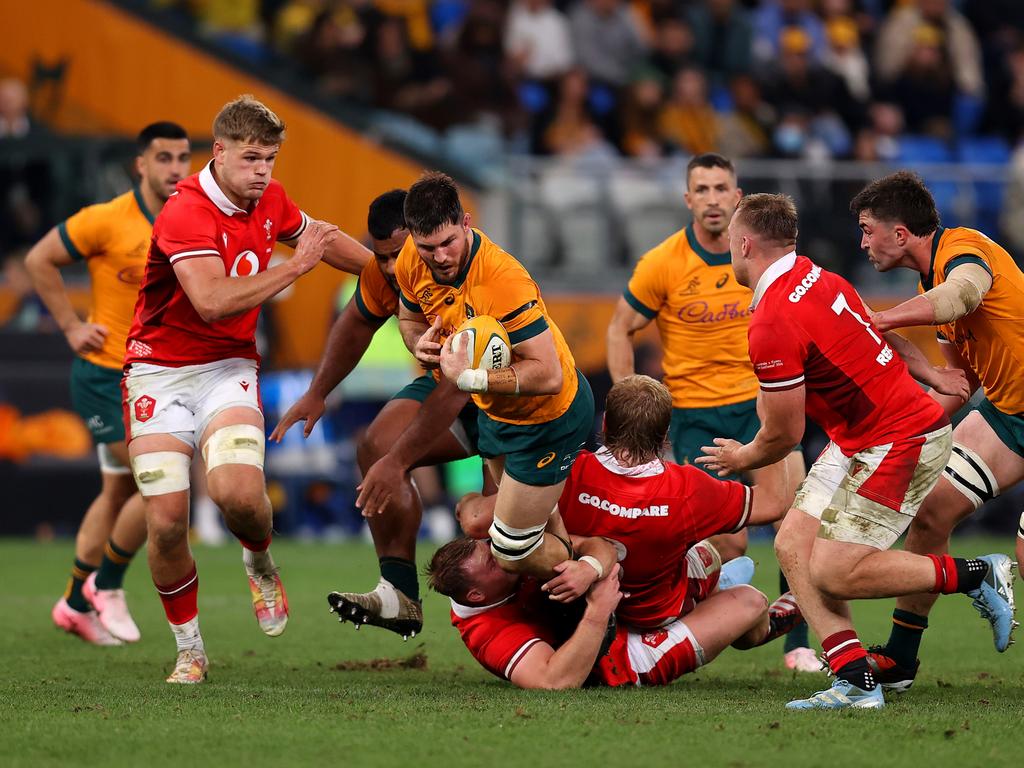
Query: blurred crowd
[[646, 78]]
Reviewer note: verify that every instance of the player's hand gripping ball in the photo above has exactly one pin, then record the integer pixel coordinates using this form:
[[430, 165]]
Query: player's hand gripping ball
[[486, 342]]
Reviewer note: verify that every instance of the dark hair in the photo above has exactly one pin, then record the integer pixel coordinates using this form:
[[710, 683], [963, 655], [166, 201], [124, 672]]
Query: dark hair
[[433, 202], [638, 410], [709, 160], [446, 574], [160, 130], [899, 198], [772, 217], [387, 213]]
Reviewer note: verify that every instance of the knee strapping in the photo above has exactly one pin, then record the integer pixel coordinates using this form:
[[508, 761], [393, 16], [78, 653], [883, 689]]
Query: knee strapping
[[235, 444], [508, 543], [969, 474], [161, 472]]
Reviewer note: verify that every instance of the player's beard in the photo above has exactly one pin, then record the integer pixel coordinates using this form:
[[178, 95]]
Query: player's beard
[[718, 226], [441, 280]]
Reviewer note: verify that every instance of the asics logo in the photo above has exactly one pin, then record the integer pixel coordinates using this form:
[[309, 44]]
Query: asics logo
[[546, 460]]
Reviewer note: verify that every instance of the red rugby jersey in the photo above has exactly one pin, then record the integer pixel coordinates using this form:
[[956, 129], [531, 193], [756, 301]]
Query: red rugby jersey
[[810, 328], [199, 221], [653, 514]]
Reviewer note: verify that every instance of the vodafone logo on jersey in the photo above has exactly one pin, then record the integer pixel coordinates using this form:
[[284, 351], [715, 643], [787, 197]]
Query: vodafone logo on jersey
[[246, 263]]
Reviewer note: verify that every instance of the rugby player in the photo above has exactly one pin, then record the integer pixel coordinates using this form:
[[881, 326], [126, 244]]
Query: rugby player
[[395, 602], [815, 353], [535, 414], [686, 286], [112, 238], [191, 376], [973, 291]]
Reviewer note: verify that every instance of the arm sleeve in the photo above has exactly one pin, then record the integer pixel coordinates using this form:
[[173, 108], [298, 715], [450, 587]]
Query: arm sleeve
[[84, 234], [646, 289], [186, 233], [720, 506], [778, 356], [293, 222], [374, 296]]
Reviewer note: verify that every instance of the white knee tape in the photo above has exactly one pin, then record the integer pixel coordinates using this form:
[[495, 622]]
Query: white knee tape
[[970, 475], [508, 543], [235, 444], [161, 472]]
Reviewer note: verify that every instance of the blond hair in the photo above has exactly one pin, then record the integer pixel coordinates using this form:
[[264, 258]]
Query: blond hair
[[637, 414], [772, 217], [247, 119]]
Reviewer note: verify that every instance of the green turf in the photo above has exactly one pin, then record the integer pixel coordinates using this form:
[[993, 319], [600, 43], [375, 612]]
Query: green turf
[[303, 699]]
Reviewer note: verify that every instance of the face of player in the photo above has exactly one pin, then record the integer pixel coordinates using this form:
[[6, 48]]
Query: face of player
[[739, 249], [386, 252], [712, 196], [244, 169], [881, 239], [445, 251], [164, 163], [490, 582]]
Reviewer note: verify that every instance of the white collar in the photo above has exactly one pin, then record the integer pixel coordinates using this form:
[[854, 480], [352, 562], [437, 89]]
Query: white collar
[[468, 611], [774, 272], [652, 468], [215, 193]]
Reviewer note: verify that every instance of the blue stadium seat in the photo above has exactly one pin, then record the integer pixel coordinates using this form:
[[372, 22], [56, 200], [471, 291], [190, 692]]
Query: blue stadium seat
[[533, 97], [922, 149], [967, 113], [601, 99], [983, 149]]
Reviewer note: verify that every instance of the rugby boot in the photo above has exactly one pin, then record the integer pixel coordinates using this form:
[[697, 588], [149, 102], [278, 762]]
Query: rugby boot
[[386, 607]]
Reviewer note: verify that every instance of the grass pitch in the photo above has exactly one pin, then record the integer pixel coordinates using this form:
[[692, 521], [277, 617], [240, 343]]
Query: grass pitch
[[324, 693]]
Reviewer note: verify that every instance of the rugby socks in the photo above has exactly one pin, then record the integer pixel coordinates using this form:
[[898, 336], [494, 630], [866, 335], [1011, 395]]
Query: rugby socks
[[112, 569], [256, 554], [848, 660], [402, 575], [180, 600], [73, 592], [957, 574], [797, 637], [905, 637]]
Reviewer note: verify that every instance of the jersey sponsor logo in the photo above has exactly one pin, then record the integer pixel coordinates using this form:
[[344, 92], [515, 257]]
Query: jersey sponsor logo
[[138, 349], [722, 281], [700, 312], [805, 285], [470, 312], [620, 510], [244, 385], [95, 422], [246, 263], [654, 639], [449, 300], [131, 275], [144, 408], [546, 460]]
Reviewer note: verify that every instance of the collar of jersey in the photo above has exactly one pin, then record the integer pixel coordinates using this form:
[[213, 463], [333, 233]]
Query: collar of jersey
[[652, 468], [773, 273], [141, 202], [461, 277], [468, 611], [929, 282], [215, 193], [708, 257]]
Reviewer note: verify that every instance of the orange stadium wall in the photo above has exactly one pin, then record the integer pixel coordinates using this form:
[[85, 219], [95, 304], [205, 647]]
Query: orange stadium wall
[[123, 73]]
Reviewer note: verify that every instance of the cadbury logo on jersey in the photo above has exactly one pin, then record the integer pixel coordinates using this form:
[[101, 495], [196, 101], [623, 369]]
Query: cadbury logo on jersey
[[805, 285], [619, 510]]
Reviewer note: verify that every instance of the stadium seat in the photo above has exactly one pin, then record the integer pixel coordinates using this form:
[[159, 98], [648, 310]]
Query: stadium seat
[[582, 226], [649, 210], [922, 149], [983, 149]]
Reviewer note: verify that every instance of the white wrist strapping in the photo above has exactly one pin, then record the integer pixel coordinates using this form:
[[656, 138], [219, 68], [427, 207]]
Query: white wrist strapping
[[1020, 527], [472, 380], [594, 563]]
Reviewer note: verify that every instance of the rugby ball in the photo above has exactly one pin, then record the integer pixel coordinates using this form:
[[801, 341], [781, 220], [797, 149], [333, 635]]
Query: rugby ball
[[487, 341]]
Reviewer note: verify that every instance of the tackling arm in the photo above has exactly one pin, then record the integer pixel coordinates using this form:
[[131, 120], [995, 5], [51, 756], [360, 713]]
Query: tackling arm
[[961, 293]]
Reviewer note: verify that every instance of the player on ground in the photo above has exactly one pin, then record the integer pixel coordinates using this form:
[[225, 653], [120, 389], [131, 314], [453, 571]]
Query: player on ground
[[191, 365], [686, 286], [395, 603], [535, 414], [113, 239], [974, 292], [815, 353], [516, 632]]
